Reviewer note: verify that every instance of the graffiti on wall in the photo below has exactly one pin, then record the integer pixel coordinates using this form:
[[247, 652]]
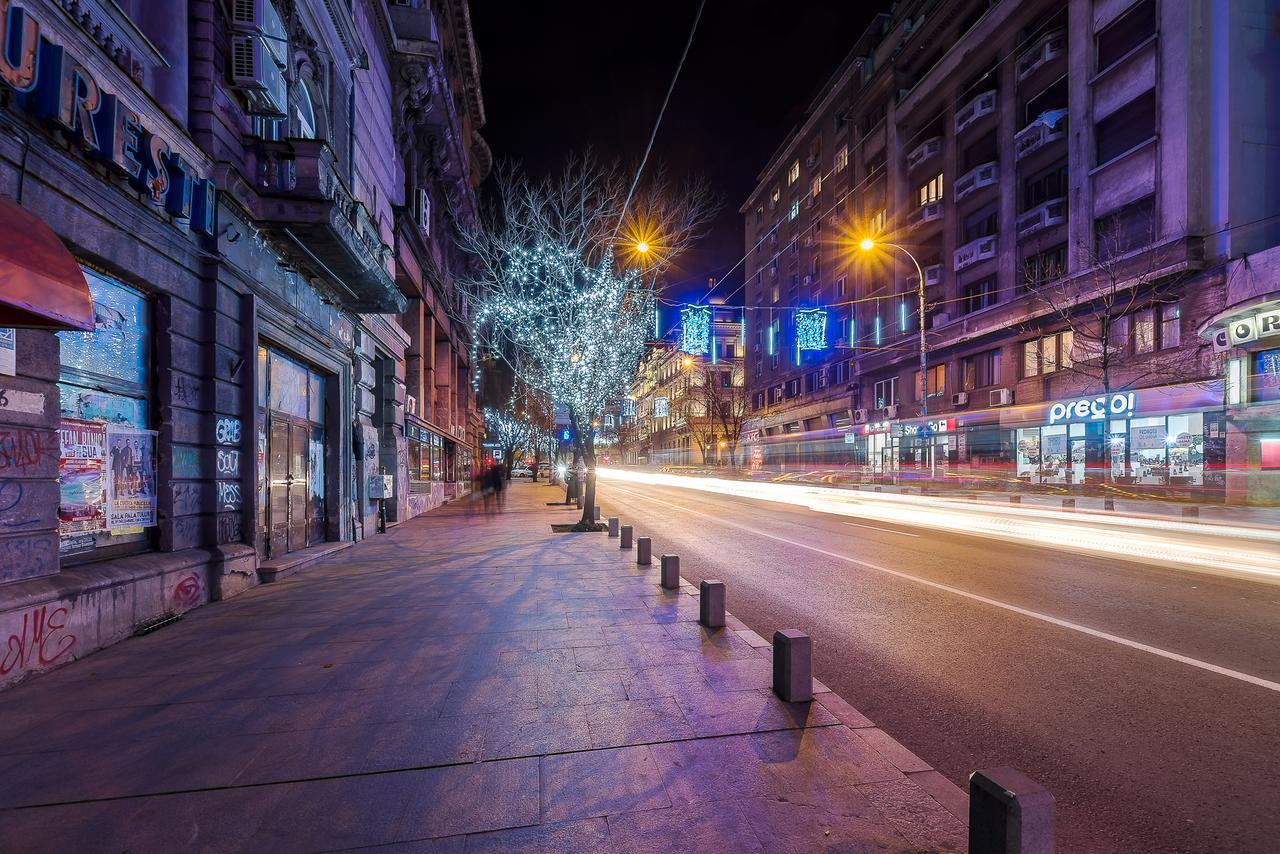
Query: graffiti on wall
[[186, 593], [21, 450], [40, 640], [227, 431], [229, 495]]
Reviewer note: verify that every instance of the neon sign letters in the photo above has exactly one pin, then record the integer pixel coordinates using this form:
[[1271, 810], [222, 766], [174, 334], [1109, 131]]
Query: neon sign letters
[[1121, 404]]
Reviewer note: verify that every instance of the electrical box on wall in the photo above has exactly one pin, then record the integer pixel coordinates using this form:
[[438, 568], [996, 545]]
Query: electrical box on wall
[[381, 486]]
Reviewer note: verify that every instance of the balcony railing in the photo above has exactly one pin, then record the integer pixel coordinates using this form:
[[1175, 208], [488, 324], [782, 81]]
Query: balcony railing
[[931, 212], [1048, 127], [974, 251], [303, 197], [983, 104], [1052, 212], [981, 176], [924, 152], [1048, 48]]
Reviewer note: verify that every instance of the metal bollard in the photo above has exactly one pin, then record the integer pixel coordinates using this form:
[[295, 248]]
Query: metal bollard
[[711, 604], [613, 526], [1015, 499], [1009, 813], [792, 666], [1068, 504], [1108, 504], [1190, 512], [644, 551], [671, 572], [626, 537]]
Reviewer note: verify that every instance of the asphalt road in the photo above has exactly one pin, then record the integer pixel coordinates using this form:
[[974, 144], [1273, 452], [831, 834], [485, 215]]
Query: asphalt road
[[977, 654]]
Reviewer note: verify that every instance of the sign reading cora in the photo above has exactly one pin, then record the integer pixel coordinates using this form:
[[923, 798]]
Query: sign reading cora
[[1120, 404], [55, 86], [1243, 330]]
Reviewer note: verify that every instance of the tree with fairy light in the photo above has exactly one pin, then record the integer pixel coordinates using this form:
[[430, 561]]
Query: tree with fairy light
[[565, 283], [511, 431]]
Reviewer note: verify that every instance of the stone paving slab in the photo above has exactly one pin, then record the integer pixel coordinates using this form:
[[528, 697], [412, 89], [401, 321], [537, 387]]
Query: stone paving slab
[[463, 683]]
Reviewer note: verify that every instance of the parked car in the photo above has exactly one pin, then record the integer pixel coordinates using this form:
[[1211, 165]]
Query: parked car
[[521, 472]]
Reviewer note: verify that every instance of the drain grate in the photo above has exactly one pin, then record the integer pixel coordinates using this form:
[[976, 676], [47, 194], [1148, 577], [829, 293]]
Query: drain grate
[[146, 627]]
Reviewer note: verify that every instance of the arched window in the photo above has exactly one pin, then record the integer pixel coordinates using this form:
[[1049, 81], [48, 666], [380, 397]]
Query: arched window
[[304, 112]]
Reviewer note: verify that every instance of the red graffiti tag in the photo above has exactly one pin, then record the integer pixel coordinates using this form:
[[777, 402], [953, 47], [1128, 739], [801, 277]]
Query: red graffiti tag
[[186, 593], [40, 642], [21, 449]]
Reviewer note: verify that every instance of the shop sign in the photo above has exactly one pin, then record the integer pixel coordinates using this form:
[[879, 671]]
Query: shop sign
[[873, 427], [1121, 404], [850, 438], [1262, 324], [939, 425], [55, 86]]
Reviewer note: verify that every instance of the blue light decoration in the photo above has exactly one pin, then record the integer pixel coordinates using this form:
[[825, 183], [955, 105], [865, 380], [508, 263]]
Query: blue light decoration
[[811, 329], [628, 408], [695, 329], [853, 331], [879, 333], [657, 324], [902, 316], [772, 336]]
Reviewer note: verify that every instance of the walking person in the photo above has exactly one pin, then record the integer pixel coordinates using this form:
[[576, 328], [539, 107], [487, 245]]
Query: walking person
[[499, 477]]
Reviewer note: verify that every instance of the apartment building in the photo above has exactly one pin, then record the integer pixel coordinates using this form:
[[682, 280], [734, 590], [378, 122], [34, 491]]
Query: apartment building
[[1076, 183], [232, 342], [685, 409]]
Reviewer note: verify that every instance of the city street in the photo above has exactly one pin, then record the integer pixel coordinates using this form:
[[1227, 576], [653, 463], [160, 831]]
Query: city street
[[1122, 688]]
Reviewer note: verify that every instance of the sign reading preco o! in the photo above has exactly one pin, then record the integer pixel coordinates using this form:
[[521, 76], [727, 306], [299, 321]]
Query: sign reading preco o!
[[1119, 405]]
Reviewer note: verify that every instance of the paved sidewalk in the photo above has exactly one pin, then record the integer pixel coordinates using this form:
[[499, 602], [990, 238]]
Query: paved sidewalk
[[463, 683]]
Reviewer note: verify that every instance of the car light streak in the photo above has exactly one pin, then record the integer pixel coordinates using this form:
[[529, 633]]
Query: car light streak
[[1253, 552]]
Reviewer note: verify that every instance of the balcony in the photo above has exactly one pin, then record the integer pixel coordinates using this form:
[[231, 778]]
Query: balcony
[[974, 251], [977, 178], [931, 212], [983, 104], [924, 152], [1048, 127], [303, 199], [1051, 213], [1048, 48]]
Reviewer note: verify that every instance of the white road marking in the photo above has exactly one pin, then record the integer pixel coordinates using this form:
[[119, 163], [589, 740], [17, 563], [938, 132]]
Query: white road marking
[[986, 600], [885, 530]]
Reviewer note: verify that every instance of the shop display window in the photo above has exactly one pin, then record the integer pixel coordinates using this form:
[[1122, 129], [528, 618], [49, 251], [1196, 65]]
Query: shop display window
[[1265, 381]]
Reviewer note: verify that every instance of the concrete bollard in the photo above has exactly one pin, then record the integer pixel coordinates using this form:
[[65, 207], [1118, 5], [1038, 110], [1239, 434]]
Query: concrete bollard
[[644, 551], [1108, 504], [596, 517], [1009, 812], [792, 666], [613, 526], [1190, 512], [1068, 504], [671, 572], [1015, 499], [626, 537], [711, 604]]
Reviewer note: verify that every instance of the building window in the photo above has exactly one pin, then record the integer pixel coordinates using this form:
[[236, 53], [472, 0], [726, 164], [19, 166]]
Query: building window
[[775, 196], [937, 381], [1045, 186], [931, 191], [1044, 267], [886, 393], [1126, 128], [1130, 228], [1048, 354], [877, 222], [1170, 325], [840, 287], [982, 223], [793, 174], [873, 117], [981, 370], [1264, 385], [107, 472], [980, 295], [815, 186], [759, 214], [842, 159], [1144, 331], [795, 210], [1125, 33]]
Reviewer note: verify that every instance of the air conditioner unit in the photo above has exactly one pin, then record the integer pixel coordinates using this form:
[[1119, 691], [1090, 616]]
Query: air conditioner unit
[[859, 416], [960, 398], [422, 210], [890, 411], [811, 160], [1000, 397], [261, 18], [255, 73]]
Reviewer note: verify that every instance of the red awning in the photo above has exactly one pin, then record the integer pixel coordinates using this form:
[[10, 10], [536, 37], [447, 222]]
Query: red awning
[[41, 285]]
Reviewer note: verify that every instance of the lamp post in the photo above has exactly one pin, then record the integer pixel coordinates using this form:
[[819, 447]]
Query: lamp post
[[866, 245]]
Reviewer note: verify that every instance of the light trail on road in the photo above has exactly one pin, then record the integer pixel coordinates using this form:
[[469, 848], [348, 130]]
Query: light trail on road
[[1225, 549]]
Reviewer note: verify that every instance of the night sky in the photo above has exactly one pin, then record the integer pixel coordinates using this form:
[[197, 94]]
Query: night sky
[[561, 76]]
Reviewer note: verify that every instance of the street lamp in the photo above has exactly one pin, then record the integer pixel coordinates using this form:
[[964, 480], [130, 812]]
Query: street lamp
[[866, 245], [642, 247]]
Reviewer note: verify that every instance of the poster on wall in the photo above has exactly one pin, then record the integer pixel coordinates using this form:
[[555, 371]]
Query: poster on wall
[[1147, 438], [8, 351], [131, 479], [81, 482]]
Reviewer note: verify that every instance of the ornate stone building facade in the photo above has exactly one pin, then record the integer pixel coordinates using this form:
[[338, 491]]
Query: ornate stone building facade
[[261, 356]]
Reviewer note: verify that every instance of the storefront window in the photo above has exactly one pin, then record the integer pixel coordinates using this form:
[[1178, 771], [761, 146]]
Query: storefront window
[[1029, 454], [1184, 437], [1147, 458], [1265, 382], [107, 462]]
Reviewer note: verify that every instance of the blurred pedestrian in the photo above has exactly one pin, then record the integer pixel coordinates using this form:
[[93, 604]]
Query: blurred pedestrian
[[498, 480]]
